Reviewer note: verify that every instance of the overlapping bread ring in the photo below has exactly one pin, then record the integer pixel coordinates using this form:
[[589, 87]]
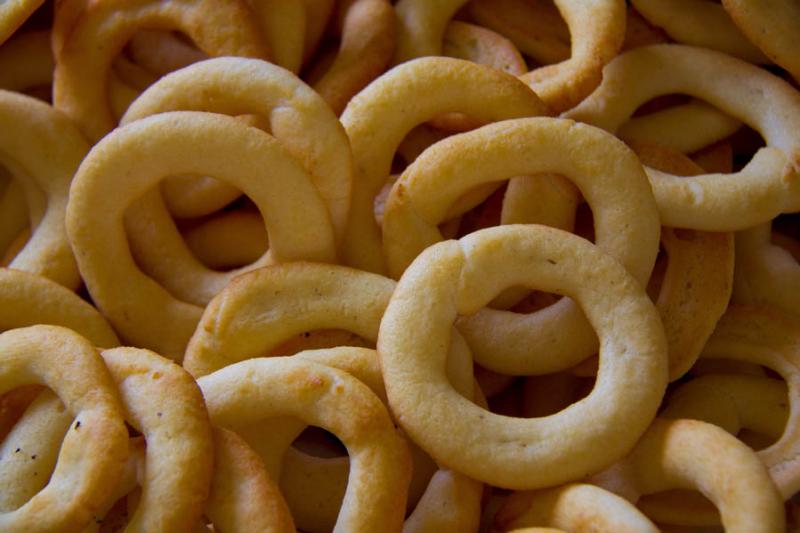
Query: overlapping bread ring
[[283, 23], [766, 337], [685, 128], [765, 273], [318, 16], [422, 88], [94, 449], [100, 31], [480, 45], [45, 154], [26, 61], [336, 401], [772, 26], [421, 27], [558, 337], [13, 13], [766, 187], [460, 277], [228, 240], [700, 456], [296, 115], [130, 161], [577, 507], [368, 40], [161, 52], [598, 30], [699, 23]]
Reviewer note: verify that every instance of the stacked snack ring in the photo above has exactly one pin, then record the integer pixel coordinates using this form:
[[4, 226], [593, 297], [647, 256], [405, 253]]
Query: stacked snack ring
[[378, 264]]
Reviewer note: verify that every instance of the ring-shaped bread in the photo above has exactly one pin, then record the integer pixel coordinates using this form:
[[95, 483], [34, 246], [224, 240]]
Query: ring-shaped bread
[[597, 29], [228, 239], [576, 507], [45, 154], [13, 13], [258, 389], [423, 88], [219, 28], [421, 26], [700, 23], [559, 336], [767, 186], [297, 117], [772, 26], [694, 455], [460, 277], [130, 162], [767, 337], [94, 449], [765, 273]]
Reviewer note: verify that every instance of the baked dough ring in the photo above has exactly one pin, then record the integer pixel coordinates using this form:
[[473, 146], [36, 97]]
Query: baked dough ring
[[765, 273], [336, 401], [558, 337], [93, 453], [13, 13], [690, 454], [576, 507], [767, 186], [219, 28], [296, 115], [460, 277], [130, 162], [46, 154], [423, 88], [421, 27]]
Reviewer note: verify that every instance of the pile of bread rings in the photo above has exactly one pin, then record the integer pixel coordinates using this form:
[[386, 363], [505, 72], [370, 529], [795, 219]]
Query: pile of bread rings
[[373, 266]]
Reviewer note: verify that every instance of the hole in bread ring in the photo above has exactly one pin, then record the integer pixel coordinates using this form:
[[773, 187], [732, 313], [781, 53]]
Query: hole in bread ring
[[459, 277]]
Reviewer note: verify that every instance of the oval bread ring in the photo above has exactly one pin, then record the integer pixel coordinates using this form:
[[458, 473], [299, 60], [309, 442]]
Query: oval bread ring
[[243, 498], [690, 454], [297, 117], [598, 30], [27, 299], [535, 27], [425, 87], [700, 23], [79, 87], [765, 273], [368, 42], [766, 337], [130, 162], [686, 128], [93, 452], [46, 153], [772, 26], [26, 61], [421, 27], [731, 402], [13, 13], [460, 277], [229, 239], [576, 507], [161, 52], [558, 337], [770, 182], [334, 400]]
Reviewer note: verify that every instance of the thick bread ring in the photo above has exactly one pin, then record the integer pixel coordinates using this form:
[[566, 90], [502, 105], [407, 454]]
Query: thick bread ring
[[94, 450], [46, 153], [296, 115], [422, 89], [767, 186], [557, 337], [260, 389], [130, 162], [94, 33], [460, 277]]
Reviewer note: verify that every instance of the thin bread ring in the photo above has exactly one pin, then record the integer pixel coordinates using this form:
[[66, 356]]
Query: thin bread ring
[[142, 311], [559, 336], [460, 277], [332, 399], [423, 88], [218, 27], [94, 450], [767, 186]]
